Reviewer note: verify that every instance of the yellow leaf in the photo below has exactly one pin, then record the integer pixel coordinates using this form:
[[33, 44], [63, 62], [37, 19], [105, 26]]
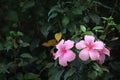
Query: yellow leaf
[[51, 42], [45, 44], [58, 36]]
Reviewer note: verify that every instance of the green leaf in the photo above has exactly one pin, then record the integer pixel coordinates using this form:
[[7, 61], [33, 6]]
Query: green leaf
[[34, 44], [77, 11], [53, 9], [86, 19], [22, 63], [77, 77], [100, 31], [65, 20], [15, 45], [13, 33], [23, 44], [21, 4], [53, 15], [97, 67], [102, 37], [118, 27], [83, 28], [19, 33], [95, 18], [89, 33], [97, 28], [71, 28], [50, 65], [69, 73], [9, 44], [111, 23], [26, 55], [105, 69], [92, 75], [28, 4], [3, 69], [56, 74], [45, 30], [30, 76]]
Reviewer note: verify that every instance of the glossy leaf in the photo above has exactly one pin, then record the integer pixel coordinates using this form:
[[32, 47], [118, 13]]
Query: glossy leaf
[[51, 42], [83, 28], [56, 76], [95, 18], [65, 20], [69, 73], [26, 55], [58, 36], [28, 76], [97, 28]]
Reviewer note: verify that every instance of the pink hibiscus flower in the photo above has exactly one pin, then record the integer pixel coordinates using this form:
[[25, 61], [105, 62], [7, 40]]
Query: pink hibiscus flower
[[64, 53], [89, 48], [102, 53]]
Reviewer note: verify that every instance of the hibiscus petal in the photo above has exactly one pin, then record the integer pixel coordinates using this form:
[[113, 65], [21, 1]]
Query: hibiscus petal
[[101, 59], [57, 54], [69, 56], [62, 61], [60, 44], [98, 45], [89, 39], [80, 45], [84, 55], [106, 51], [94, 55], [69, 44]]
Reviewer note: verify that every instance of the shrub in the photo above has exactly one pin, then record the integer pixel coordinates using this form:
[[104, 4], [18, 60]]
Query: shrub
[[31, 29]]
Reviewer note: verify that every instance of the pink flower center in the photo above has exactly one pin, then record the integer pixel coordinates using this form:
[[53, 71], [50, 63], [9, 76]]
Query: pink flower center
[[64, 50], [89, 46]]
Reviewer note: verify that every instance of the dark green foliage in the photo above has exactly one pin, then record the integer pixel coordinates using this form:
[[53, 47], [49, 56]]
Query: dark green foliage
[[26, 24]]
